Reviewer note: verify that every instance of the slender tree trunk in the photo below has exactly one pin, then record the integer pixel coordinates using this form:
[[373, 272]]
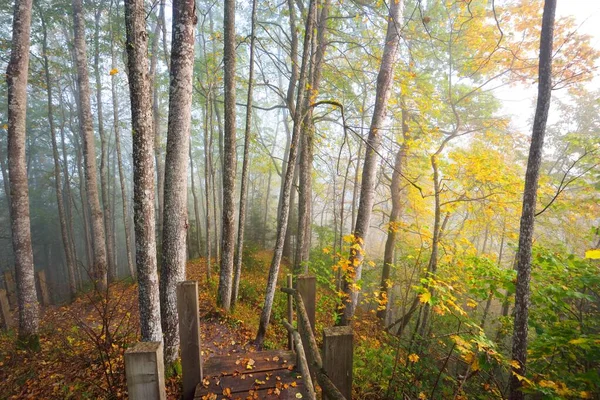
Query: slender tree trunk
[[289, 176], [196, 210], [207, 186], [67, 188], [395, 214], [307, 135], [175, 222], [89, 149], [367, 191], [16, 79], [57, 176], [519, 347], [229, 161], [143, 171], [244, 185], [104, 150], [158, 153], [116, 128]]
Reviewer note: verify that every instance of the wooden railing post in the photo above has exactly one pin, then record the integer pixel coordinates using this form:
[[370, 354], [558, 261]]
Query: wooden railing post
[[11, 289], [145, 371], [307, 287], [338, 357], [44, 288], [189, 335], [290, 312], [5, 316]]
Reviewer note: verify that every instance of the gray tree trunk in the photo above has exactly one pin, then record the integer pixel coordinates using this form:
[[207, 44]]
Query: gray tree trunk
[[175, 222], [116, 127], [367, 190], [229, 161], [519, 346], [16, 78], [244, 186], [395, 214], [289, 177], [57, 173], [196, 208], [112, 268], [99, 269], [306, 155], [143, 171]]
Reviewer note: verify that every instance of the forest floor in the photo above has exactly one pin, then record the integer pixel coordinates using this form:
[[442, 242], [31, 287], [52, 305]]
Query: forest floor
[[82, 344]]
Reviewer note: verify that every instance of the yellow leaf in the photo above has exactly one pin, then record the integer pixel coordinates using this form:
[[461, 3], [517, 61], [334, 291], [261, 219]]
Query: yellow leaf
[[578, 341], [298, 395], [5, 126], [422, 396], [594, 254], [515, 364], [326, 250], [425, 297], [413, 358], [113, 71]]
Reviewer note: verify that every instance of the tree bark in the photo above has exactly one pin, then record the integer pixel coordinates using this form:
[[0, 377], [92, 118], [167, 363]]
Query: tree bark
[[112, 269], [175, 222], [289, 176], [116, 128], [519, 346], [395, 214], [367, 191], [143, 171], [245, 162], [229, 161], [57, 173], [99, 270], [307, 153], [196, 209], [16, 78]]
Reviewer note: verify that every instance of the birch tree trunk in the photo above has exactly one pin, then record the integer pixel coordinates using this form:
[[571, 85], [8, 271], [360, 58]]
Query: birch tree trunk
[[143, 171], [289, 177], [175, 222], [229, 161], [89, 149], [16, 78], [367, 190], [244, 186], [57, 173], [196, 208], [519, 346]]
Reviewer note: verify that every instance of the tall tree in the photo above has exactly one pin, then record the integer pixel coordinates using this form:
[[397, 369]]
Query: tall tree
[[112, 268], [64, 230], [282, 222], [143, 170], [307, 150], [229, 160], [244, 185], [367, 190], [523, 256], [99, 269], [16, 77], [117, 132], [175, 222]]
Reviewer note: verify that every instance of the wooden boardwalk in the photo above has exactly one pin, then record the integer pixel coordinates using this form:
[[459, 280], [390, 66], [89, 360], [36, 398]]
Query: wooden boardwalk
[[260, 375]]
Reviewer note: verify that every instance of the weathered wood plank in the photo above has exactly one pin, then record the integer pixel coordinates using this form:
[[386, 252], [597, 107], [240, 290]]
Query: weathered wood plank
[[263, 361], [11, 288], [6, 321], [189, 335], [145, 371], [45, 294], [338, 358]]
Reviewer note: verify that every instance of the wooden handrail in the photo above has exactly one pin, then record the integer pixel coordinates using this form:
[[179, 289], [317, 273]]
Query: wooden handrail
[[327, 386], [303, 363]]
